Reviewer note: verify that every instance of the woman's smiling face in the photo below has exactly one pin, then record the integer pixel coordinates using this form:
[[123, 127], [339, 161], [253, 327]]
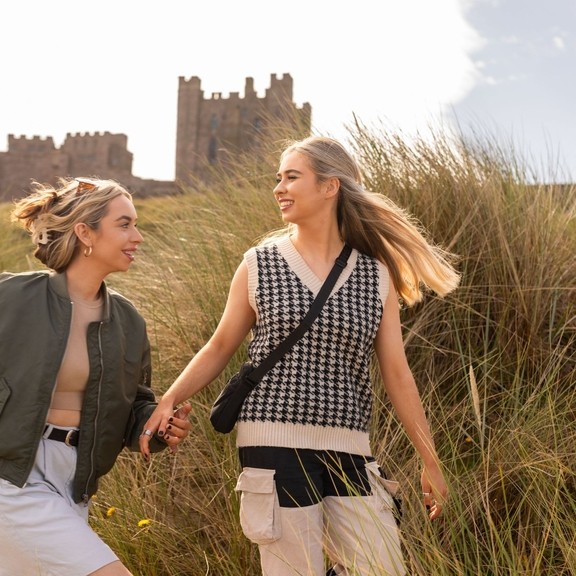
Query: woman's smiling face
[[117, 238], [297, 191]]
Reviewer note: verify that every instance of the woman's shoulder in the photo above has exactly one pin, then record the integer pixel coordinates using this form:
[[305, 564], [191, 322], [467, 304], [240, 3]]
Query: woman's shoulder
[[371, 260], [258, 253], [20, 279], [379, 270], [22, 291], [122, 301], [124, 309], [270, 245]]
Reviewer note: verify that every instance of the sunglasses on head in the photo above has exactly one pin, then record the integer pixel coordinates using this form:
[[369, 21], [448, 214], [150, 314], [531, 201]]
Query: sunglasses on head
[[84, 185]]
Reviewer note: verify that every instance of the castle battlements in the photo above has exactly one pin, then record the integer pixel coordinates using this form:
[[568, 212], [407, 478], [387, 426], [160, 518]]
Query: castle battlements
[[32, 145], [29, 138], [279, 85], [88, 135]]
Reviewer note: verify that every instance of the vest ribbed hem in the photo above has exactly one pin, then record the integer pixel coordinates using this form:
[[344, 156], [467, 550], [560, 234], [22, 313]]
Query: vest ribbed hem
[[302, 436]]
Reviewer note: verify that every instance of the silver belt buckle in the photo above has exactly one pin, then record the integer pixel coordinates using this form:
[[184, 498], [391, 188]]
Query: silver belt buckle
[[69, 437]]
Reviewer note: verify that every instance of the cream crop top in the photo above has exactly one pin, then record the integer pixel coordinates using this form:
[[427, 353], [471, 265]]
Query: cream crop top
[[74, 371]]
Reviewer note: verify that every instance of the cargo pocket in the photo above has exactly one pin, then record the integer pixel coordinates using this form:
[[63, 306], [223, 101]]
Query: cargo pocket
[[386, 491], [259, 508]]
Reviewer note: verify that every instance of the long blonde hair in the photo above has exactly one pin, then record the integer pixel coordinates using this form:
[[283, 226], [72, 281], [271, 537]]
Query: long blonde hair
[[376, 226], [50, 213]]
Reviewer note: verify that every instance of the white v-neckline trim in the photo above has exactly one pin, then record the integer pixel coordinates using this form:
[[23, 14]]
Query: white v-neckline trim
[[299, 266]]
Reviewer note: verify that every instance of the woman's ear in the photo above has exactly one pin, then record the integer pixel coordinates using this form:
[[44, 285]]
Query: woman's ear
[[332, 187], [83, 233]]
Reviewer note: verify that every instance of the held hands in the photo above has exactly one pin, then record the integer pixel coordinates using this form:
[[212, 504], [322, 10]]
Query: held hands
[[434, 490], [169, 424]]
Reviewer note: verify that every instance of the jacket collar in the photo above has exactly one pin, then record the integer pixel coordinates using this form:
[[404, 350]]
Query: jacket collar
[[57, 282]]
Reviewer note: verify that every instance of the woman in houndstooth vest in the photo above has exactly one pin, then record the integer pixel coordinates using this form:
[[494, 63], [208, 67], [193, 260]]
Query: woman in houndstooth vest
[[310, 487]]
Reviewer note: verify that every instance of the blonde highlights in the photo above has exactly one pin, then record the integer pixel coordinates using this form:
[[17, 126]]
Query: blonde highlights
[[50, 213]]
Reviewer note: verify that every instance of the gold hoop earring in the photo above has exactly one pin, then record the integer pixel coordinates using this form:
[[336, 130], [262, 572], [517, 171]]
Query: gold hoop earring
[[87, 251]]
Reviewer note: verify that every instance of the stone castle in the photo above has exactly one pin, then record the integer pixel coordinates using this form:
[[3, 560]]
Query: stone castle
[[205, 127]]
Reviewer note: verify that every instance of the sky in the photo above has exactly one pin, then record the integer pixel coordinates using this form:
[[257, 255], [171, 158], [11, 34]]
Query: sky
[[502, 67]]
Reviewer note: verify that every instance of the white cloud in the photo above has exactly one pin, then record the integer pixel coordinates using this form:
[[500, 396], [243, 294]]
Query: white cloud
[[559, 43]]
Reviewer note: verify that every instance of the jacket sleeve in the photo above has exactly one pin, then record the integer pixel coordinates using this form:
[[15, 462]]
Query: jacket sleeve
[[144, 405]]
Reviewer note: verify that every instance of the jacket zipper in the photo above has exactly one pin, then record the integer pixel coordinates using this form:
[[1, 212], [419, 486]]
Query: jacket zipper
[[85, 496]]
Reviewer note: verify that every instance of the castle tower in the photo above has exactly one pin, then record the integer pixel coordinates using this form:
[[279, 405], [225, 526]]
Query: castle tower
[[206, 126]]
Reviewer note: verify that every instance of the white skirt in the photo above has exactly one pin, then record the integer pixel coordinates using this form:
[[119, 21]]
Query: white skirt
[[43, 532]]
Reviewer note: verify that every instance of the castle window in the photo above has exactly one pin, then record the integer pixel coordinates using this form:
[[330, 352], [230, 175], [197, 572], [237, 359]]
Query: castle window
[[212, 151]]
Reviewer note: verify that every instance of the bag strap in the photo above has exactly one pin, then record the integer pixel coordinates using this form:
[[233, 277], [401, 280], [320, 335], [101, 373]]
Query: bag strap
[[339, 265]]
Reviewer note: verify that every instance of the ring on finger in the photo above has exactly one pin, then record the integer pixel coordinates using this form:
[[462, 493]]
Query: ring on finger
[[147, 432]]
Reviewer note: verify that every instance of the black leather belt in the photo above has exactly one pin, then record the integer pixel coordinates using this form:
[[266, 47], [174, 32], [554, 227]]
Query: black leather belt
[[69, 437]]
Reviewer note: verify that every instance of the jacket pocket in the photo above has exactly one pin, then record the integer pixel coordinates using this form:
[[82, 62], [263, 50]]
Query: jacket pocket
[[259, 507], [4, 393], [386, 491]]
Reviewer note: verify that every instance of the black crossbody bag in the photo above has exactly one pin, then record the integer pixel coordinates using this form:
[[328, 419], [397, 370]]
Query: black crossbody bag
[[226, 408]]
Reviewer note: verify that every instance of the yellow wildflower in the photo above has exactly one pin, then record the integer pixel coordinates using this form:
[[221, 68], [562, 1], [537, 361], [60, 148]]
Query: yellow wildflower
[[144, 522], [111, 511]]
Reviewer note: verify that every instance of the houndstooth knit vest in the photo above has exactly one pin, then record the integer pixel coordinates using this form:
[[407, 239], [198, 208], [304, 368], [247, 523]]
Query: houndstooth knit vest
[[319, 395]]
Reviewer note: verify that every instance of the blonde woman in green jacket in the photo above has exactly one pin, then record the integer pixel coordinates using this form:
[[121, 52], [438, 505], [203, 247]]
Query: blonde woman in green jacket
[[74, 378]]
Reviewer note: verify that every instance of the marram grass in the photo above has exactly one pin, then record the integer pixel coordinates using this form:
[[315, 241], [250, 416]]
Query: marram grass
[[495, 362]]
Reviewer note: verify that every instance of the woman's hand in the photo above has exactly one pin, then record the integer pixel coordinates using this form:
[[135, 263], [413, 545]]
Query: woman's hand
[[434, 490], [169, 424]]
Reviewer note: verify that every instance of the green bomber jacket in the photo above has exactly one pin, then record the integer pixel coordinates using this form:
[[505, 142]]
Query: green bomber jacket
[[35, 314]]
